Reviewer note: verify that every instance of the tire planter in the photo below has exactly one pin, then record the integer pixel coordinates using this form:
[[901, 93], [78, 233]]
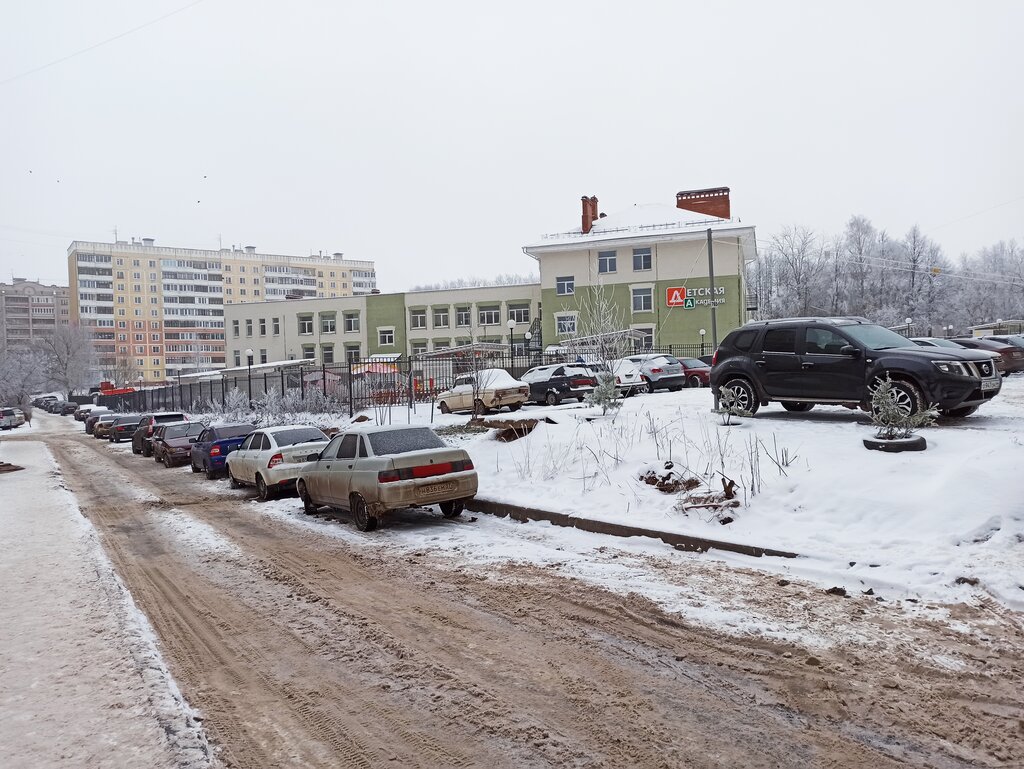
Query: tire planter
[[913, 443]]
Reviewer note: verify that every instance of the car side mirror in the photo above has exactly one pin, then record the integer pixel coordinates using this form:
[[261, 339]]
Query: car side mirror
[[193, 440], [849, 349], [313, 457]]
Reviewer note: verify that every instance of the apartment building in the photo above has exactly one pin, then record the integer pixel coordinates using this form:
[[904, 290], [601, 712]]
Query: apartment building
[[651, 264], [159, 310], [29, 310], [353, 328]]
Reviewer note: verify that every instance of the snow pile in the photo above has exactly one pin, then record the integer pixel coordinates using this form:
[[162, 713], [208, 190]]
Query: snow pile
[[81, 680]]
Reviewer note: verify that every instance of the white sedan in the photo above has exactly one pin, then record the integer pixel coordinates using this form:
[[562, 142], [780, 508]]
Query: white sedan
[[270, 459]]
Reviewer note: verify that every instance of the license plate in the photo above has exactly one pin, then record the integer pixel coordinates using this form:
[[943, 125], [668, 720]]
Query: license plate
[[990, 384], [435, 488]]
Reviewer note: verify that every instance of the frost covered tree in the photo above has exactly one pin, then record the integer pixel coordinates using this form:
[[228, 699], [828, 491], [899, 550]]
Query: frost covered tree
[[70, 362], [600, 340], [22, 373]]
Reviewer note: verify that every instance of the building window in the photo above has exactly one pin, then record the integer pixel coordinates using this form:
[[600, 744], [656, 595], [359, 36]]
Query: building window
[[385, 337], [643, 299], [352, 353], [263, 356], [238, 359], [565, 324], [351, 322], [490, 316], [276, 325], [328, 322], [463, 317], [305, 324], [519, 314], [417, 319], [565, 286], [648, 339], [605, 261], [263, 326], [641, 259], [308, 352], [155, 349], [248, 326], [327, 353], [441, 318]]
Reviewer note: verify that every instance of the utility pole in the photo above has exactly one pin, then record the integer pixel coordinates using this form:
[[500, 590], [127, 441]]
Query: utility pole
[[711, 278]]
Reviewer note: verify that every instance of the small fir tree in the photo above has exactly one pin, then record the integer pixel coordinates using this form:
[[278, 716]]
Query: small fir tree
[[892, 422], [729, 407], [606, 394]]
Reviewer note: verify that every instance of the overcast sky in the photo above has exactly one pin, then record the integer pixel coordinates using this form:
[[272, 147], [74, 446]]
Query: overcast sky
[[439, 138]]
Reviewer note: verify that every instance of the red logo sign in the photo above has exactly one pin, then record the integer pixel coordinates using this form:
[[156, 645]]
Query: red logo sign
[[675, 296]]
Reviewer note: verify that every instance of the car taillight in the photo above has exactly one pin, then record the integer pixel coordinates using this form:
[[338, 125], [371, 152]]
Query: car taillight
[[714, 358], [655, 370], [424, 471], [215, 451], [275, 460], [388, 476], [618, 380]]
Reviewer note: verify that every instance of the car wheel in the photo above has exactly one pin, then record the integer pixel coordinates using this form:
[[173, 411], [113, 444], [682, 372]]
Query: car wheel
[[235, 483], [308, 505], [743, 392], [211, 473], [135, 450], [797, 407], [194, 468], [263, 492], [452, 509], [515, 406], [552, 399], [156, 457], [693, 381], [581, 399], [146, 452], [361, 514], [642, 389], [479, 408], [167, 462], [443, 408], [906, 396], [964, 411], [675, 388]]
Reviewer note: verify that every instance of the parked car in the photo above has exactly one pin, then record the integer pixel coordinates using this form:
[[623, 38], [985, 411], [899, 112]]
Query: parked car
[[123, 428], [1012, 356], [142, 439], [101, 428], [696, 371], [482, 391], [9, 419], [373, 470], [43, 400], [800, 362], [660, 371], [172, 443], [214, 444], [556, 382], [67, 408], [935, 341], [83, 411], [270, 459], [629, 378], [1017, 340], [93, 417]]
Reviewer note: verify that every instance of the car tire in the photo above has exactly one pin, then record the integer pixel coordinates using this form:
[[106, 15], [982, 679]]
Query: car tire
[[906, 395], [552, 399], [146, 452], [964, 411], [797, 407], [135, 450], [167, 462], [263, 492], [675, 388], [641, 389], [693, 381], [194, 468], [452, 508], [746, 396], [308, 505], [211, 474], [443, 408], [361, 514], [235, 483], [479, 409], [515, 406], [156, 457]]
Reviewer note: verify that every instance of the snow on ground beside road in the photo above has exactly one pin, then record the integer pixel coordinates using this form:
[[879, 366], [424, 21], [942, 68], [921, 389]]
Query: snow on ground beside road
[[81, 680], [911, 523]]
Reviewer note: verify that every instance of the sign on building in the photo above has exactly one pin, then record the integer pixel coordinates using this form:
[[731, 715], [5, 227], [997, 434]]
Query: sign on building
[[688, 299]]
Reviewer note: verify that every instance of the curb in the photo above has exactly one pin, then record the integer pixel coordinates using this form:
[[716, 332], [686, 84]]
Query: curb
[[678, 541]]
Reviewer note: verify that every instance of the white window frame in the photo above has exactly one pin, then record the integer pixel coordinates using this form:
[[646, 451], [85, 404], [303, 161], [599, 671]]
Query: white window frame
[[605, 260], [381, 331], [351, 319], [649, 288], [565, 285], [441, 311], [489, 316], [650, 259], [418, 319], [566, 323]]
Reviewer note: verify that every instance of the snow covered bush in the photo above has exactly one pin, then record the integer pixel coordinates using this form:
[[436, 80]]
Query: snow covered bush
[[891, 421], [606, 394], [728, 407], [236, 406]]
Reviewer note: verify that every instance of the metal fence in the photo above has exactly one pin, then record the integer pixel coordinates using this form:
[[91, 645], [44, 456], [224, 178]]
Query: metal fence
[[339, 387]]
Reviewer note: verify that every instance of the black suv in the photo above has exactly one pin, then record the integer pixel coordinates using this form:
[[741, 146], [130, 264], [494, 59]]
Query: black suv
[[803, 361]]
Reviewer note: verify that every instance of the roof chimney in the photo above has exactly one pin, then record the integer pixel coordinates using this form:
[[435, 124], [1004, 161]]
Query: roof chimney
[[589, 213], [147, 241], [250, 249], [713, 201]]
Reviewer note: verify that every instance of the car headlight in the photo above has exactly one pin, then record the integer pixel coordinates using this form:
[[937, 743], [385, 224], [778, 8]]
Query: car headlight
[[951, 367]]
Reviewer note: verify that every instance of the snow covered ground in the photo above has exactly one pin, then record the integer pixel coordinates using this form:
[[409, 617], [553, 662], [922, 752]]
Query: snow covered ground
[[906, 524], [81, 680]]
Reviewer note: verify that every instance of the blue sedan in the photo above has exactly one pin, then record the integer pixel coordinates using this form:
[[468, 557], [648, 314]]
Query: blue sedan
[[214, 445]]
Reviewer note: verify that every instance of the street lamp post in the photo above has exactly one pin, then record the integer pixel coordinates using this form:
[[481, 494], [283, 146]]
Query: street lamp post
[[526, 347], [248, 359], [909, 322], [511, 348], [702, 333]]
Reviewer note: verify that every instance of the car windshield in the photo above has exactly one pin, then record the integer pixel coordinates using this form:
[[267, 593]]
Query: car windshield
[[877, 337], [298, 435], [694, 363], [168, 418], [944, 343], [402, 441]]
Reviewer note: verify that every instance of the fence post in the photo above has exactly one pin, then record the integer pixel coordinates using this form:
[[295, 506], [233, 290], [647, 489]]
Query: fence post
[[351, 405], [323, 377]]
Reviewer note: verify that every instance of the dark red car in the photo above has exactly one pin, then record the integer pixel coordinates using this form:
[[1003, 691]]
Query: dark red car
[[696, 371], [1011, 356]]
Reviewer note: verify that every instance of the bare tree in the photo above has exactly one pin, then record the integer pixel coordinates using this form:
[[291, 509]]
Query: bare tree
[[22, 372], [124, 370], [601, 338], [69, 358]]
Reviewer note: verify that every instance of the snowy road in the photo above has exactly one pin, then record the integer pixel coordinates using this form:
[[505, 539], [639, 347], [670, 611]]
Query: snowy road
[[304, 642]]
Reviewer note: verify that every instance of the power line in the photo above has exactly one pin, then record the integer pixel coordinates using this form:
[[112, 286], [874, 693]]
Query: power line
[[97, 45]]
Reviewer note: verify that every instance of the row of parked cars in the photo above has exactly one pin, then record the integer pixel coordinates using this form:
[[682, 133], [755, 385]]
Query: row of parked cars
[[490, 389], [367, 470]]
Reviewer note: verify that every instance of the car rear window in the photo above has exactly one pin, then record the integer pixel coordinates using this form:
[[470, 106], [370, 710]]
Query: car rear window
[[234, 431], [402, 441], [744, 340], [180, 431], [694, 363], [298, 435], [168, 418]]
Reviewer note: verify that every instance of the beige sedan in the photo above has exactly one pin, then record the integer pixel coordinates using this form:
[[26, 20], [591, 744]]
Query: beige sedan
[[484, 390]]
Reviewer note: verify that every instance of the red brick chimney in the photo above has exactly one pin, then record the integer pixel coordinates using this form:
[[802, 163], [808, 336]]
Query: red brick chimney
[[589, 213], [713, 201]]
